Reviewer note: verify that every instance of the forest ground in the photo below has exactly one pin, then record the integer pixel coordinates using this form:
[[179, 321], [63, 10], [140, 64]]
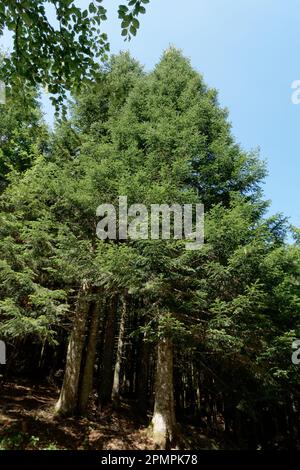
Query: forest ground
[[27, 422]]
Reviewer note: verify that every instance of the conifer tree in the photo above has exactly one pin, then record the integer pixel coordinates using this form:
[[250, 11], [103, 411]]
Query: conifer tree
[[220, 320]]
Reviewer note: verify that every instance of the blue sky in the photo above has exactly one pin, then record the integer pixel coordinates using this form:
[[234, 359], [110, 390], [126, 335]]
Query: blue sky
[[250, 51]]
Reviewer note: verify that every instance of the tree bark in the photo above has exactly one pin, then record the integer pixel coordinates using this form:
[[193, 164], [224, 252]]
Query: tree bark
[[108, 354], [87, 376], [142, 378], [115, 396], [68, 400], [164, 421]]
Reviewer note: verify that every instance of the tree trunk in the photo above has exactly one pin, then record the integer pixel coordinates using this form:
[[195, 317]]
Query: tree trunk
[[164, 421], [142, 378], [68, 400], [87, 376], [108, 354], [115, 396]]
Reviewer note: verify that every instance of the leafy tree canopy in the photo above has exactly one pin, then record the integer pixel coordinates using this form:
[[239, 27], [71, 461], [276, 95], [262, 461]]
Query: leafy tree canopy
[[64, 53]]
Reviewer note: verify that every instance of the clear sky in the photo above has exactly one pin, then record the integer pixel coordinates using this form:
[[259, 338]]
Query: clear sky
[[250, 51]]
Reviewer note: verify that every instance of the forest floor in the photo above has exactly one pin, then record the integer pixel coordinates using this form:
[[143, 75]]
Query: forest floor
[[27, 422]]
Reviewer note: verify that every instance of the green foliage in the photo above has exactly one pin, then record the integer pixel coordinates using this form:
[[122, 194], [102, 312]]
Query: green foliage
[[23, 135], [60, 55], [14, 441], [51, 446], [18, 440], [128, 14], [159, 137]]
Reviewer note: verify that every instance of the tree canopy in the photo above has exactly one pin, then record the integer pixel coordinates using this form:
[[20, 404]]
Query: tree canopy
[[58, 45], [222, 318]]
